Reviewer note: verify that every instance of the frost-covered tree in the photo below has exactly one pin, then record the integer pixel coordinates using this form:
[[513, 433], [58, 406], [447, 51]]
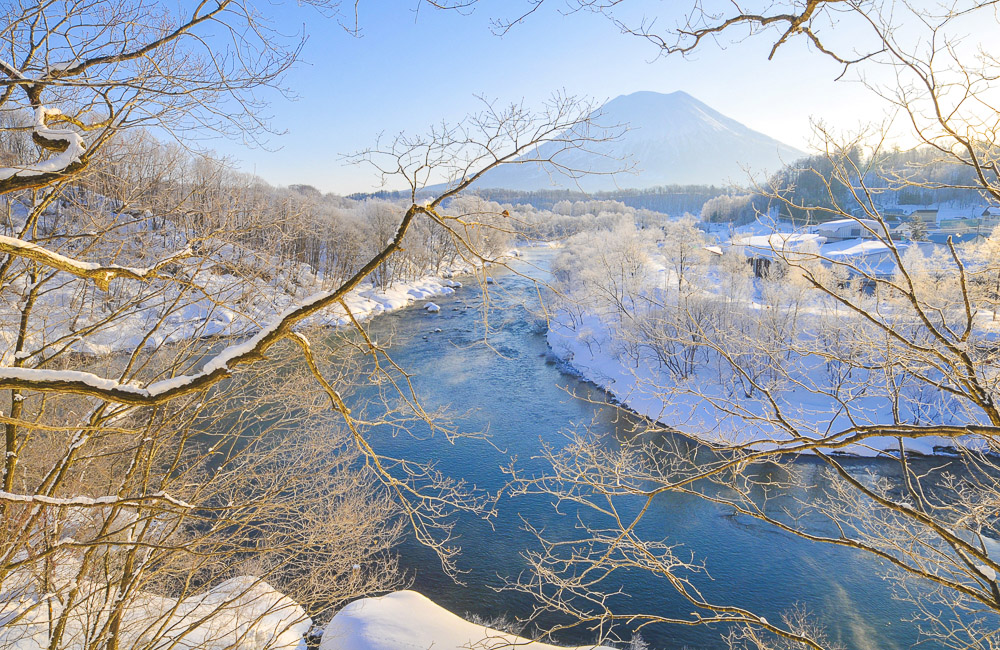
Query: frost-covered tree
[[605, 270], [888, 352], [178, 440]]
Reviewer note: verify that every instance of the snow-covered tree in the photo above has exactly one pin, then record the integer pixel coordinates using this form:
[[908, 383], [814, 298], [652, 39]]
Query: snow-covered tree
[[884, 352], [175, 446]]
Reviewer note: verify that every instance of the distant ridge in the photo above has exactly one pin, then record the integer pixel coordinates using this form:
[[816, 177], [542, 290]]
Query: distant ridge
[[673, 139]]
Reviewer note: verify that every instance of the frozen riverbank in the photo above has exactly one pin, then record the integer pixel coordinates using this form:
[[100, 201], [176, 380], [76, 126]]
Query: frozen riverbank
[[406, 620], [705, 406]]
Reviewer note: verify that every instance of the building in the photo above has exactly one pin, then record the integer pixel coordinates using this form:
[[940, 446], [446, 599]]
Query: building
[[841, 229], [761, 251], [989, 219], [927, 216]]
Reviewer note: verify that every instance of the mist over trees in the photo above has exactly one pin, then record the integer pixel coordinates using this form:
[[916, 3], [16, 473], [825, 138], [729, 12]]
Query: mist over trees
[[668, 199]]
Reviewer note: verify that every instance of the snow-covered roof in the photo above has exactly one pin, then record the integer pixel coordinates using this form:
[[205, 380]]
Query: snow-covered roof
[[869, 256], [780, 243], [947, 212], [838, 223], [854, 248]]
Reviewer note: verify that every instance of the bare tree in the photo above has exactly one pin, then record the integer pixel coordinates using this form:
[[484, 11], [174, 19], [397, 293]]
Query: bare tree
[[886, 355], [178, 441]]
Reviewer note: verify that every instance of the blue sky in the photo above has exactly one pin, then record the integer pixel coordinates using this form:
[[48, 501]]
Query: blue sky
[[409, 70]]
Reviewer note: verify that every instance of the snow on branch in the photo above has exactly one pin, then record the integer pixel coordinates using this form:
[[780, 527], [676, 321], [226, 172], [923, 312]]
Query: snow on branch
[[217, 367], [11, 71], [70, 157], [90, 502], [100, 274]]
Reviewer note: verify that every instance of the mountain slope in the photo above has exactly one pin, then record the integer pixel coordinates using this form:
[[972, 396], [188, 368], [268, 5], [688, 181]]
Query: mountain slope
[[672, 139]]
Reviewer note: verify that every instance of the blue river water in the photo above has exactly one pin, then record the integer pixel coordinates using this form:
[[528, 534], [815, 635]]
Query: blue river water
[[514, 390]]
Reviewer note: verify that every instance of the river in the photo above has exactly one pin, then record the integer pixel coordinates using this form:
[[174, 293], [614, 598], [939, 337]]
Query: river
[[515, 390]]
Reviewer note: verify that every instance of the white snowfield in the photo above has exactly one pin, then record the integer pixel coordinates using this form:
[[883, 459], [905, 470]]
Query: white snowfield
[[239, 614], [248, 614], [406, 620]]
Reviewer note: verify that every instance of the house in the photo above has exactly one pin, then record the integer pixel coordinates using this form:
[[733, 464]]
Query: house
[[841, 229], [867, 259], [958, 226], [762, 250], [989, 220], [893, 214], [927, 216]]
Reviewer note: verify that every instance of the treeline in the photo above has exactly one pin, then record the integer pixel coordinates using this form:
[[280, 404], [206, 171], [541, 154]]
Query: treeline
[[813, 188], [810, 188], [172, 198], [144, 198], [669, 199], [567, 218]]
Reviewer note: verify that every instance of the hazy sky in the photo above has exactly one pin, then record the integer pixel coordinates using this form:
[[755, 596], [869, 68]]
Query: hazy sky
[[409, 70]]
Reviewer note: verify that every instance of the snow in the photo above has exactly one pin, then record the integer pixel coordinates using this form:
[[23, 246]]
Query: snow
[[59, 67], [56, 163], [672, 139], [714, 404], [230, 303], [779, 244], [838, 223], [432, 307], [705, 408], [75, 376], [869, 256], [82, 501], [242, 613], [854, 248], [245, 613], [11, 70], [362, 304], [29, 249], [407, 620]]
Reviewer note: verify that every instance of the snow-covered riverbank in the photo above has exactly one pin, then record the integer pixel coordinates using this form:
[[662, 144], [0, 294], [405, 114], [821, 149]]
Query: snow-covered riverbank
[[248, 614], [221, 312], [406, 620], [705, 407]]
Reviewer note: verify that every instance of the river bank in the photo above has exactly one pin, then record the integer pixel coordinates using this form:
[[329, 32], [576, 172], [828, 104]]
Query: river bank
[[508, 383]]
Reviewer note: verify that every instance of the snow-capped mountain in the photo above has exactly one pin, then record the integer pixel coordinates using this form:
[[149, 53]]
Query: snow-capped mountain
[[671, 139]]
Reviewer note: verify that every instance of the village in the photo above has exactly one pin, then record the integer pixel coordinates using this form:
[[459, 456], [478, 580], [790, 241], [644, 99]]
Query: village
[[862, 244]]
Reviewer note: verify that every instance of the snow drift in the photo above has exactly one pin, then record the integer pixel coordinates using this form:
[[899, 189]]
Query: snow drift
[[406, 620]]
